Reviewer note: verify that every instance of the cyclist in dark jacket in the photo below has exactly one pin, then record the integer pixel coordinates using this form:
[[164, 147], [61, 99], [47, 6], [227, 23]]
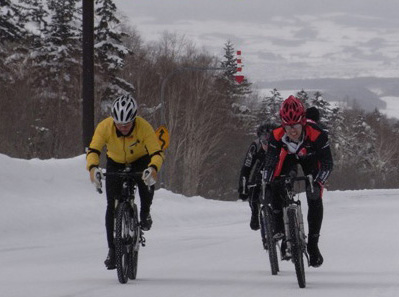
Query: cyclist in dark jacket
[[250, 177], [302, 142]]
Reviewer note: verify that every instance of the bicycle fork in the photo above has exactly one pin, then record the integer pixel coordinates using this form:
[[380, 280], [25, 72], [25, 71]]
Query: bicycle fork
[[135, 228], [299, 218]]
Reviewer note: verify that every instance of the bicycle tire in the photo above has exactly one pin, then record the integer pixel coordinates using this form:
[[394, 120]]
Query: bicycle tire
[[263, 232], [266, 219], [296, 247], [134, 254], [122, 240]]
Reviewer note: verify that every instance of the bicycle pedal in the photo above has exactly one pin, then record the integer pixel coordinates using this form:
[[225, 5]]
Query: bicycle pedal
[[142, 240], [278, 236]]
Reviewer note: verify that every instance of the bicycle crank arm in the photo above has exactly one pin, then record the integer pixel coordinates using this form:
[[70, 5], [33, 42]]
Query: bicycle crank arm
[[142, 239]]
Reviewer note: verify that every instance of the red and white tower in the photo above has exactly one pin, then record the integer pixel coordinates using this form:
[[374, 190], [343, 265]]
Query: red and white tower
[[239, 77]]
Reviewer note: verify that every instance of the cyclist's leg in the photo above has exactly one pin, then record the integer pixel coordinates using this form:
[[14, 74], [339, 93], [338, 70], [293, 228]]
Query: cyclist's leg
[[254, 198], [113, 187], [254, 205], [275, 195], [279, 193], [314, 199], [146, 197], [146, 194], [315, 215]]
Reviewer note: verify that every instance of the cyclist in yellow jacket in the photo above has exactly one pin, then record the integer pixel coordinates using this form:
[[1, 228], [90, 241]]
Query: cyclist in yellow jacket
[[129, 139]]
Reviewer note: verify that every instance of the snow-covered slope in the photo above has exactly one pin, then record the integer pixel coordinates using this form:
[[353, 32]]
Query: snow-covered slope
[[53, 242]]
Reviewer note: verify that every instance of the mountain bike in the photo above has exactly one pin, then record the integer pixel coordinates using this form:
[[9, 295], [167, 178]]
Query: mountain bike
[[294, 228], [128, 235]]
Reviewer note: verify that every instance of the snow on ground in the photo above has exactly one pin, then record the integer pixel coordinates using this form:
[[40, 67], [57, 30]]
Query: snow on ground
[[53, 242]]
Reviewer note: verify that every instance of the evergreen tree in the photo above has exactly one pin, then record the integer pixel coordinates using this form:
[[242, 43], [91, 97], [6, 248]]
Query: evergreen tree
[[12, 30], [234, 89], [359, 142], [56, 78], [57, 56], [304, 97], [364, 146], [328, 115], [11, 26], [318, 101], [34, 11], [109, 49], [270, 107]]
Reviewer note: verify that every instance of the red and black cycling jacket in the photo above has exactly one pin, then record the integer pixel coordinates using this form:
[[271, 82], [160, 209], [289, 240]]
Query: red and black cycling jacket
[[315, 145]]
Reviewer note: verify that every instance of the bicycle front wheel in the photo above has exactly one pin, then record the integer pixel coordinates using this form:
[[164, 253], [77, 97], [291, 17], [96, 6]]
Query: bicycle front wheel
[[123, 240], [267, 223], [296, 247], [134, 254]]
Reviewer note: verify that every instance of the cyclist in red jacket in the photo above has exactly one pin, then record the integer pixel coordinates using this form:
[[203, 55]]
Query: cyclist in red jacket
[[298, 141]]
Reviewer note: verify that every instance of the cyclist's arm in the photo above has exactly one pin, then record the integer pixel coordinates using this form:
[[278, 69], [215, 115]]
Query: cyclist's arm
[[271, 158], [96, 145], [249, 161], [323, 153], [152, 145]]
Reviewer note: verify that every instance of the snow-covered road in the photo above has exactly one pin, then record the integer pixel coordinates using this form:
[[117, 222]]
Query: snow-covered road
[[53, 242]]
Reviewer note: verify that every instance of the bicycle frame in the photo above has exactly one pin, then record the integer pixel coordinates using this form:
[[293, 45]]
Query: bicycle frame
[[127, 232], [292, 202], [129, 187], [294, 227]]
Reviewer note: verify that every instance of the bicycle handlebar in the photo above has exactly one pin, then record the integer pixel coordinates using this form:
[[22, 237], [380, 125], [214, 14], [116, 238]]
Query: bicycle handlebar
[[309, 177], [135, 175]]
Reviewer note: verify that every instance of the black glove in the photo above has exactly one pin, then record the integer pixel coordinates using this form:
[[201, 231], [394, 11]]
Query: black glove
[[243, 195]]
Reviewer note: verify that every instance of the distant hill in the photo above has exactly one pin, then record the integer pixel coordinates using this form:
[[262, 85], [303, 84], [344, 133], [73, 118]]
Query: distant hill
[[365, 92]]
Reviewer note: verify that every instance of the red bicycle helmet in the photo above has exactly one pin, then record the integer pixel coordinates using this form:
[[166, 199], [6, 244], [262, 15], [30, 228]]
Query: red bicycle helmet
[[292, 112]]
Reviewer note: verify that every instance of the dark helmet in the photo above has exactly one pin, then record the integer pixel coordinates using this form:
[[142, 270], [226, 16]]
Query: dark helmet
[[292, 112], [264, 131], [312, 113]]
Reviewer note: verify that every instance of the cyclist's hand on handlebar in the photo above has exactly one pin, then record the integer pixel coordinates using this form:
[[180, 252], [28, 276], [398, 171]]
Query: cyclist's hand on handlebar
[[95, 177], [314, 191], [243, 197], [149, 176], [243, 193]]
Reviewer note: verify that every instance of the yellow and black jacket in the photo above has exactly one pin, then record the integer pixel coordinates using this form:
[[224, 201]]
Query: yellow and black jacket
[[141, 142]]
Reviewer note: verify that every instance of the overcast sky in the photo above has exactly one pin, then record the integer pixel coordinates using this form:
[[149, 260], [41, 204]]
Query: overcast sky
[[284, 38]]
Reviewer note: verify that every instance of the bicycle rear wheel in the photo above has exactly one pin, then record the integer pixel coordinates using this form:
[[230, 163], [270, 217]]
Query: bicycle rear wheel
[[123, 240], [267, 223], [134, 254], [296, 247]]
